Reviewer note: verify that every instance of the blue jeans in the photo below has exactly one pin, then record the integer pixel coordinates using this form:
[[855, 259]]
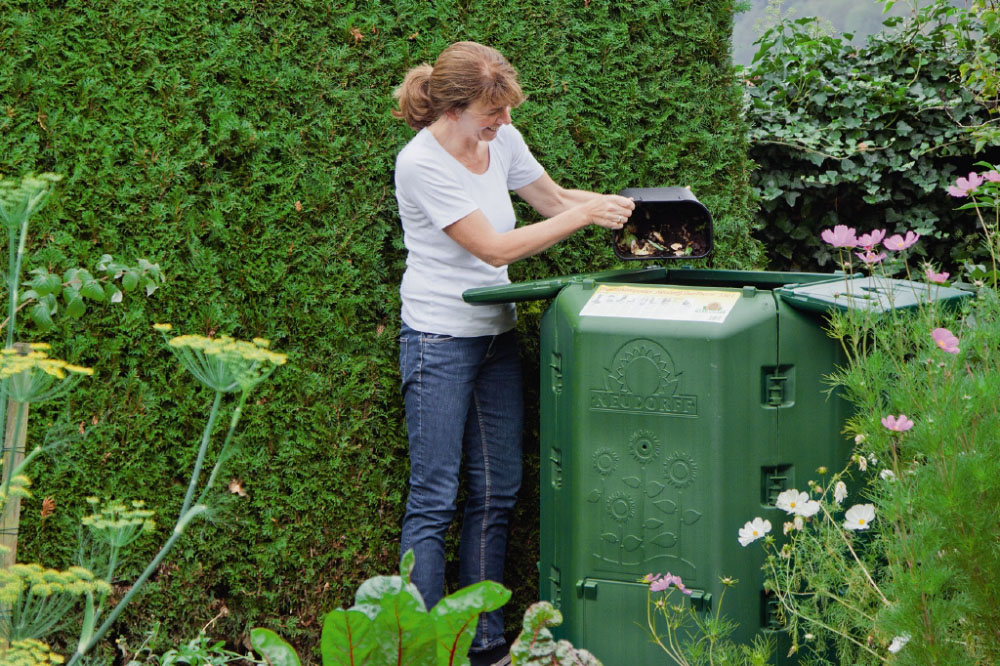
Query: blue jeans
[[463, 400]]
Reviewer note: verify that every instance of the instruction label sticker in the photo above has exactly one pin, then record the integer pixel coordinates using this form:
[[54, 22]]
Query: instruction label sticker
[[664, 303]]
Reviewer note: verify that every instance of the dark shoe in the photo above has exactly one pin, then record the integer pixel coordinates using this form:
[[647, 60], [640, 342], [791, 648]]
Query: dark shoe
[[498, 656]]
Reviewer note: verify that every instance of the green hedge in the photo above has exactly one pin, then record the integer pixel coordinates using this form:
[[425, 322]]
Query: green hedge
[[871, 136], [248, 148]]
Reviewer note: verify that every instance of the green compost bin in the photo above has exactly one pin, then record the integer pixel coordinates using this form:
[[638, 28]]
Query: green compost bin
[[675, 406]]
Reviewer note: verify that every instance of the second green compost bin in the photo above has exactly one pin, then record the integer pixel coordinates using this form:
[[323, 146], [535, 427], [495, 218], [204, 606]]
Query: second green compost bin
[[675, 406]]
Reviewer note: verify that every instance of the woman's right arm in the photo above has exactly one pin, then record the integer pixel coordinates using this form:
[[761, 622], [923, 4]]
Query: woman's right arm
[[475, 233]]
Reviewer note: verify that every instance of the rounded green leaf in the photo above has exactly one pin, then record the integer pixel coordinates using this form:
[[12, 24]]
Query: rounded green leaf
[[112, 293], [93, 290], [40, 314], [74, 304], [130, 280], [273, 648]]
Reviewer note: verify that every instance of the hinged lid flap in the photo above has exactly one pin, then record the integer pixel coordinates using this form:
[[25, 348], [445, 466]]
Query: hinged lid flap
[[535, 290], [875, 294]]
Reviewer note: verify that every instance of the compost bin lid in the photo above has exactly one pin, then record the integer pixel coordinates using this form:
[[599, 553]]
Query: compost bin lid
[[536, 290], [874, 294]]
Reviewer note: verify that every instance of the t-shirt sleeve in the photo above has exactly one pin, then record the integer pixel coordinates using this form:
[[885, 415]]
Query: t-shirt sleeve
[[433, 190], [524, 168]]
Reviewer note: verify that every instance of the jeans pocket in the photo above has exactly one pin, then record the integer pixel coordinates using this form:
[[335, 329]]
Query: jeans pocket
[[436, 337]]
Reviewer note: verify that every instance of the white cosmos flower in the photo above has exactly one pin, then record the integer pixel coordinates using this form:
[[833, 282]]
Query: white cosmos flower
[[839, 492], [791, 500], [888, 475], [859, 516], [898, 642], [809, 508], [753, 530], [862, 463], [798, 523]]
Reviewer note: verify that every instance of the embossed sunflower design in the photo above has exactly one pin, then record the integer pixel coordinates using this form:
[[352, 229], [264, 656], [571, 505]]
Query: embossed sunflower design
[[680, 469], [605, 461], [621, 506], [644, 447]]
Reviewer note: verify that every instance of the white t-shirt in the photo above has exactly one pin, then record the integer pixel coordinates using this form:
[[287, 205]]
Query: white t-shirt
[[434, 190]]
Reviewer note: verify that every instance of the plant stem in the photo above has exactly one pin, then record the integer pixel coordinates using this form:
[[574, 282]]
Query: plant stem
[[237, 412], [9, 464], [87, 643], [202, 450]]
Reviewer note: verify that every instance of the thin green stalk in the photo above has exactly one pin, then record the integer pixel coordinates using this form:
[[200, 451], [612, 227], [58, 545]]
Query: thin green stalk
[[87, 643], [9, 464], [864, 569], [791, 609], [202, 451], [220, 461]]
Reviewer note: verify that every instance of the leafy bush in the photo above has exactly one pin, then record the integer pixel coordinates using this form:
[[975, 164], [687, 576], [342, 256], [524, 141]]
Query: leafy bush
[[864, 136], [248, 147], [890, 555]]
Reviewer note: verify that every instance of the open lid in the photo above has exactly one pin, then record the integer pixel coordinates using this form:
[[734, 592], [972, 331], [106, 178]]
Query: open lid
[[536, 290], [874, 294]]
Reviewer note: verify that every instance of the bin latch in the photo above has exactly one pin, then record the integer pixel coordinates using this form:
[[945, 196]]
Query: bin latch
[[555, 458], [779, 386], [701, 600]]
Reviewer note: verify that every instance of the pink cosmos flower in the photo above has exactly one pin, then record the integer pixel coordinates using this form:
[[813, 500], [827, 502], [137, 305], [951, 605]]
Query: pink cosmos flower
[[658, 583], [870, 258], [840, 236], [900, 424], [936, 278], [897, 243], [946, 340], [964, 186], [870, 240], [992, 176]]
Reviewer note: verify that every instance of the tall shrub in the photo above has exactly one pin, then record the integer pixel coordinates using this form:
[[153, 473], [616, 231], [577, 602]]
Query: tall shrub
[[248, 149], [865, 136]]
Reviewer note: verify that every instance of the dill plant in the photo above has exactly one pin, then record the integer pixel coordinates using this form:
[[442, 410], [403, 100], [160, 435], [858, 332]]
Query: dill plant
[[36, 601]]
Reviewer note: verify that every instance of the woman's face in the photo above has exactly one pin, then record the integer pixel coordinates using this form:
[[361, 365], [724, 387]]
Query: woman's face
[[483, 120]]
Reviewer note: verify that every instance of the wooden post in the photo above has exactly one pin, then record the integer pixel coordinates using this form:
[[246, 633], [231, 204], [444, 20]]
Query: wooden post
[[10, 519]]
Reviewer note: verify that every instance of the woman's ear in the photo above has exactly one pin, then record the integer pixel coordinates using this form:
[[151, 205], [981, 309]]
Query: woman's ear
[[453, 113]]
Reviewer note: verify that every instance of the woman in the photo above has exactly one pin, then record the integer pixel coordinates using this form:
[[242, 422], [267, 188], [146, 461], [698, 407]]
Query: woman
[[461, 377]]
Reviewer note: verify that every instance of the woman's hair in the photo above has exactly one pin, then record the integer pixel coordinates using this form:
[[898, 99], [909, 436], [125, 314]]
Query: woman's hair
[[464, 73]]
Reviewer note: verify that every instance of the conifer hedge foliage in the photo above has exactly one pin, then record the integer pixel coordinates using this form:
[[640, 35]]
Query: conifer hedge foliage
[[247, 147]]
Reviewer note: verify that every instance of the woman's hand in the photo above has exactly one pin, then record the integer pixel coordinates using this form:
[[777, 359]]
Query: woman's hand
[[608, 210]]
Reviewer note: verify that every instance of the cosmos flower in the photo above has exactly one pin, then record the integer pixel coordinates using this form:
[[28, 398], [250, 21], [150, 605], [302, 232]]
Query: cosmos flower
[[897, 243], [946, 340], [859, 516], [840, 236], [963, 187], [753, 530], [900, 424]]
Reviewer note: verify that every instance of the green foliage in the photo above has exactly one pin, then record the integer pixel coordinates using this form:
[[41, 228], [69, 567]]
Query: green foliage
[[199, 651], [904, 571], [690, 637], [389, 624], [248, 148], [862, 136], [536, 645]]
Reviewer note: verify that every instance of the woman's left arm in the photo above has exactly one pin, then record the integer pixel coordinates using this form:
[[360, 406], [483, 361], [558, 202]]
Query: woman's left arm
[[549, 198]]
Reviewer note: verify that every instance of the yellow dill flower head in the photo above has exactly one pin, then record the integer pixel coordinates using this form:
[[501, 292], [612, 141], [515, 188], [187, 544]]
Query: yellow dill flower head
[[163, 328], [30, 652]]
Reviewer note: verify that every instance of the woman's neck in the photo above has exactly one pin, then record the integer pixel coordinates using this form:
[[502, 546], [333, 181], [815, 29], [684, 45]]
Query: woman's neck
[[473, 153]]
